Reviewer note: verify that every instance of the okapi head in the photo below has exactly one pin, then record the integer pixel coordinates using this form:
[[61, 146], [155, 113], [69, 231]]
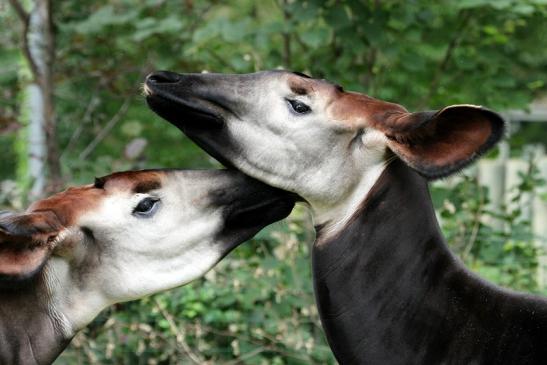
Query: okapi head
[[131, 234], [311, 136]]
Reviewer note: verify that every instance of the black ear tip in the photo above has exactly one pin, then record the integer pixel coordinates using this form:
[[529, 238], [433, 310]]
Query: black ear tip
[[499, 125]]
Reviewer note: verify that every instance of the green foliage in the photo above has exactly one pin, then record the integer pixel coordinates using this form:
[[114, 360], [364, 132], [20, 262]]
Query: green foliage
[[420, 54], [259, 306], [499, 245]]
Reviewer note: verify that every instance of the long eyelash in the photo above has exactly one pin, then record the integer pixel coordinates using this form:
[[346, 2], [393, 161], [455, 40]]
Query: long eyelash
[[293, 104]]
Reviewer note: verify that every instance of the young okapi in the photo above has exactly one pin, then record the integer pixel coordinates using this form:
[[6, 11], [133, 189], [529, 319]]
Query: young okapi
[[388, 289], [129, 235]]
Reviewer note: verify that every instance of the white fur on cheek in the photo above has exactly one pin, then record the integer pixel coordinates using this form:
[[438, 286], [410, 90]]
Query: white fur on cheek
[[165, 259], [369, 164], [301, 154], [132, 257], [147, 255]]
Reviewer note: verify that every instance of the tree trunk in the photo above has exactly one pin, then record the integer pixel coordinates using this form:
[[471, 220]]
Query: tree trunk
[[44, 168]]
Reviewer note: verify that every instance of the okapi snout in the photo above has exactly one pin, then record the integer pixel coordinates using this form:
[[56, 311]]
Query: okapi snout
[[162, 77], [188, 101]]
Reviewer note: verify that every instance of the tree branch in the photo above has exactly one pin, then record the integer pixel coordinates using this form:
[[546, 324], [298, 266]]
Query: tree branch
[[476, 228], [246, 356], [85, 119], [25, 21], [369, 75], [106, 130], [21, 13], [454, 43], [179, 336]]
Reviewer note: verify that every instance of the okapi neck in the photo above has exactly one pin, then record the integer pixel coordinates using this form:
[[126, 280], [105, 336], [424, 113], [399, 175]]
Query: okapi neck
[[30, 331], [389, 291]]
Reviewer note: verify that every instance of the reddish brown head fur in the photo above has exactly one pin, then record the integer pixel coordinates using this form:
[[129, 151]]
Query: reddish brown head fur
[[436, 144], [27, 240]]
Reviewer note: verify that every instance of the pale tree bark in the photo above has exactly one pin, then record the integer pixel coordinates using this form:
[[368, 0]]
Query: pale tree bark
[[38, 46]]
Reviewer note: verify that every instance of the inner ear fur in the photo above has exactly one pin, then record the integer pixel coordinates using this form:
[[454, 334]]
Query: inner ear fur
[[26, 242], [437, 144]]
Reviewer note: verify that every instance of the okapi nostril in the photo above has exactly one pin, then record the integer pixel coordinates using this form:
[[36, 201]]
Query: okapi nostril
[[163, 77]]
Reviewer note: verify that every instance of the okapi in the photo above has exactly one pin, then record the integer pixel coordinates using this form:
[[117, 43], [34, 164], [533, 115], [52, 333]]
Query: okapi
[[127, 236], [388, 289]]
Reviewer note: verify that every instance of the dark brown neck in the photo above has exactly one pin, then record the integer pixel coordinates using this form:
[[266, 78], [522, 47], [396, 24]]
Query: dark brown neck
[[389, 291], [30, 331]]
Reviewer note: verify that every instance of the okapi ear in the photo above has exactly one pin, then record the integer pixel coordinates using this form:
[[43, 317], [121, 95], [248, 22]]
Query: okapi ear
[[437, 144], [26, 242]]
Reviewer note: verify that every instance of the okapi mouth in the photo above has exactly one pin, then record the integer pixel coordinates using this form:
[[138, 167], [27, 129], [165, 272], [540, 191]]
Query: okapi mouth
[[243, 223], [184, 113], [199, 118], [249, 206]]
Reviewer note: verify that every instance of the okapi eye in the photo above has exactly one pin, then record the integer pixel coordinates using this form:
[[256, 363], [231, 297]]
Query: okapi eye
[[146, 207], [299, 107]]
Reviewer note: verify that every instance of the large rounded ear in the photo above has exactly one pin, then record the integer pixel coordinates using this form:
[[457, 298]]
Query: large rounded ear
[[437, 144], [26, 242]]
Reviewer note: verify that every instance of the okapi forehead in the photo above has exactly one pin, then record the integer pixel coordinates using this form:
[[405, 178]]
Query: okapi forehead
[[306, 86], [133, 181], [359, 111], [70, 204]]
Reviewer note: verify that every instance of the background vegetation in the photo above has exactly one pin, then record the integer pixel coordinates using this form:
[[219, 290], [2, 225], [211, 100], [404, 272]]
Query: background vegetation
[[257, 307]]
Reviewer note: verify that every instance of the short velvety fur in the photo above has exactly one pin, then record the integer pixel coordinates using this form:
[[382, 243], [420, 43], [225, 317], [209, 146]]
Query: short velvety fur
[[389, 291], [29, 334], [75, 253], [437, 144]]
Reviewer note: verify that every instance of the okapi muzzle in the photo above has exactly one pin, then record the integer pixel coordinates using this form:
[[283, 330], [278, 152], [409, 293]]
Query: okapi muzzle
[[200, 104]]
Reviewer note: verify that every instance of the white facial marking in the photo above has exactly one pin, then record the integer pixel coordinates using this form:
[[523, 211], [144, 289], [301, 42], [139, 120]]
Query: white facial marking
[[369, 164], [131, 256], [150, 254], [284, 148], [327, 162]]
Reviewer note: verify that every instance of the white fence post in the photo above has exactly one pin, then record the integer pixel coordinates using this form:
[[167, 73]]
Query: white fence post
[[491, 174], [512, 180], [539, 222]]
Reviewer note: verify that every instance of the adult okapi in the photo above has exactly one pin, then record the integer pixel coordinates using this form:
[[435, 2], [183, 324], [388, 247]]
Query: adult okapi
[[388, 289], [128, 235]]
